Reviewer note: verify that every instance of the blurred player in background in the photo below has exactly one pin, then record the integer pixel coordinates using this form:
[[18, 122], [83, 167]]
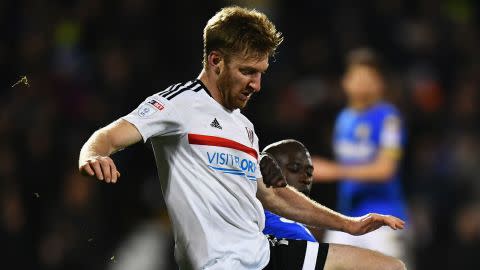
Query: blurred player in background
[[295, 244], [368, 141], [215, 181]]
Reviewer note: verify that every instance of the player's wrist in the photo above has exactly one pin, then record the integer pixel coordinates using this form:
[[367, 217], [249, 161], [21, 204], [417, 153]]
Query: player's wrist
[[83, 159], [347, 225]]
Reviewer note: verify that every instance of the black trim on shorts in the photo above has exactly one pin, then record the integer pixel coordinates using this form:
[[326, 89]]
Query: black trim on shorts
[[287, 254], [322, 254]]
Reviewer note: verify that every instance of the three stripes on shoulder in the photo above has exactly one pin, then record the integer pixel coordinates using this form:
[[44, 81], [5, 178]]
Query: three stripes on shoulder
[[179, 88]]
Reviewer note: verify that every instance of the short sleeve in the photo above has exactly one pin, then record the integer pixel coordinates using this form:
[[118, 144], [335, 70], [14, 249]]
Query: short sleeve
[[156, 116], [391, 133]]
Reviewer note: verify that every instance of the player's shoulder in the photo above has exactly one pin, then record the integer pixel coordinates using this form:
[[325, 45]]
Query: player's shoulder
[[182, 92], [386, 109], [345, 114], [386, 115]]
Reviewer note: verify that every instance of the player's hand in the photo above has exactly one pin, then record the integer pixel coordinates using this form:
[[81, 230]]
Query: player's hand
[[371, 222], [102, 168], [271, 173]]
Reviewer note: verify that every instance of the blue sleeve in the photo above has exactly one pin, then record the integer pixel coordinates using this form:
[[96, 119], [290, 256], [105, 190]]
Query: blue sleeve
[[390, 128]]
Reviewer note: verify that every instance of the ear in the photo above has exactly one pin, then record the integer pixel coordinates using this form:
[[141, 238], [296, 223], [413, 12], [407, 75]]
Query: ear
[[215, 61]]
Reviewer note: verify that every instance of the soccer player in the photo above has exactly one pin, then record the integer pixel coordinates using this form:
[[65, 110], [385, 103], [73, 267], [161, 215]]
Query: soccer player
[[368, 140], [292, 240], [213, 178]]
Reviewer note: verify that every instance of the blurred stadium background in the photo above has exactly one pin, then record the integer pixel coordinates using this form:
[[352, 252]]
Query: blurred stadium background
[[89, 62]]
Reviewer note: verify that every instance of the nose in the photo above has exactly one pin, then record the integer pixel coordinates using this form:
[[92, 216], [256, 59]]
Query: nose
[[306, 180], [255, 82]]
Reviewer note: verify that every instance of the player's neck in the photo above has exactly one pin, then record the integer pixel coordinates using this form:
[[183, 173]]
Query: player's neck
[[209, 81], [363, 104]]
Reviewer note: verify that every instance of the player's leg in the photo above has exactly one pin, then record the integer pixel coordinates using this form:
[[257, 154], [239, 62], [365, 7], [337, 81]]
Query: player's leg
[[349, 257], [387, 241]]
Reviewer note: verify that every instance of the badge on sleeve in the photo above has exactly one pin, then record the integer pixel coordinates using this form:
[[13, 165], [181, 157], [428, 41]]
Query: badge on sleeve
[[159, 106], [150, 107]]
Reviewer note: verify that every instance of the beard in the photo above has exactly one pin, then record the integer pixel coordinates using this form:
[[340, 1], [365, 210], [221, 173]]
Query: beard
[[227, 86]]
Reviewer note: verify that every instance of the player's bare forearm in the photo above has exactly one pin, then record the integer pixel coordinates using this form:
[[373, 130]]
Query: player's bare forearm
[[94, 157], [379, 170], [291, 204], [97, 145]]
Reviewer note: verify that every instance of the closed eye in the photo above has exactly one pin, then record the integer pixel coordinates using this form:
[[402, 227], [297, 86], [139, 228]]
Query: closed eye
[[294, 168], [248, 71]]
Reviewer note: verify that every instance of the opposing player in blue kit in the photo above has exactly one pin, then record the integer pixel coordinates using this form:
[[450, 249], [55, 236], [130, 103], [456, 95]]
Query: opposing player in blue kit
[[368, 141], [294, 245]]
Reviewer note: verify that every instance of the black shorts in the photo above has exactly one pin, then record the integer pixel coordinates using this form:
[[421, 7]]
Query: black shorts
[[296, 254]]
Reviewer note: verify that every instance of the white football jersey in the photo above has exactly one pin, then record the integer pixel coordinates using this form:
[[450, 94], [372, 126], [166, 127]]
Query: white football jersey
[[207, 161]]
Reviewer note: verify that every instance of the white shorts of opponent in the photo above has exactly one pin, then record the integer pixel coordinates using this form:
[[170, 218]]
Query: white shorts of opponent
[[384, 240]]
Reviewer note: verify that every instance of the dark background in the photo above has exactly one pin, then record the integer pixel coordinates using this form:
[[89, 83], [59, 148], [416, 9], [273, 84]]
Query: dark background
[[90, 62]]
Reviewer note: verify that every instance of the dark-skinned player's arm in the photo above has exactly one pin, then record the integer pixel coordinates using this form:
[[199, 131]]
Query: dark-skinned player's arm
[[379, 170], [287, 202], [318, 233], [94, 157]]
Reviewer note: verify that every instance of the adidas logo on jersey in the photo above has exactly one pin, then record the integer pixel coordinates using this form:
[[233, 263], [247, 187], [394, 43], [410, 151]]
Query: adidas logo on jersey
[[215, 124]]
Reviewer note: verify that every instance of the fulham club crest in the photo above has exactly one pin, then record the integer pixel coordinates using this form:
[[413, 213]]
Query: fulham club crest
[[250, 134]]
